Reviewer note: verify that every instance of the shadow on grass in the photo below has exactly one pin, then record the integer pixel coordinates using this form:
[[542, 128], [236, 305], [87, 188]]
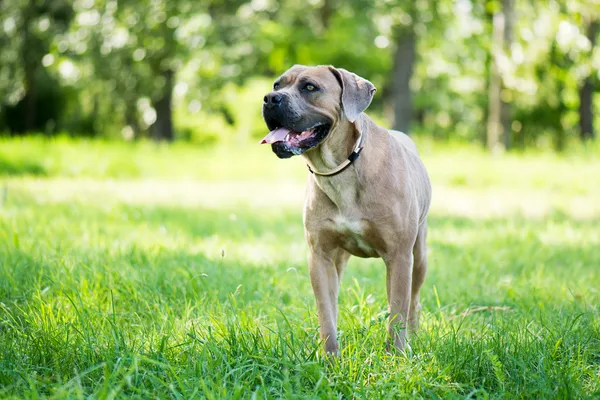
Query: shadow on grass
[[234, 223], [21, 167], [472, 261]]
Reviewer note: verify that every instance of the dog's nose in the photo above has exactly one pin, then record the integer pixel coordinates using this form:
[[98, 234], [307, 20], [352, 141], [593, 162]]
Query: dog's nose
[[272, 99]]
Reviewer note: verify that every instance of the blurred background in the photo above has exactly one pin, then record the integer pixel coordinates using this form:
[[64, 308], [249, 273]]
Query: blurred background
[[150, 247], [503, 74]]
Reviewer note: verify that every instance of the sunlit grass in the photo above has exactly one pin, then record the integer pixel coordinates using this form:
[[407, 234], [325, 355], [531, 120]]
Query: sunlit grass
[[188, 279]]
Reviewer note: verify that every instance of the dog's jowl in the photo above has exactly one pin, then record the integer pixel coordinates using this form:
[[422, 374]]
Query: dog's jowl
[[368, 192]]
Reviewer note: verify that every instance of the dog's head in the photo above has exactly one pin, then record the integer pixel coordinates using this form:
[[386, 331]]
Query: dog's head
[[307, 103]]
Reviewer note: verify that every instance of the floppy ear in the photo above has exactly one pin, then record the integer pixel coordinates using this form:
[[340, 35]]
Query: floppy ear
[[357, 92]]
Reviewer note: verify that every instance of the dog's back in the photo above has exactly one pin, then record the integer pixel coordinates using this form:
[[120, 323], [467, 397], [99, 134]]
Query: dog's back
[[418, 173], [405, 140]]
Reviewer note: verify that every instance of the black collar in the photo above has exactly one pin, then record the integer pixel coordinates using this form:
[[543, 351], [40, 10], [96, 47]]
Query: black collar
[[351, 158]]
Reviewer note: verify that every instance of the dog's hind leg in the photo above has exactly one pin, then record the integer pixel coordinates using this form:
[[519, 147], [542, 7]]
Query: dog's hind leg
[[418, 277], [399, 271]]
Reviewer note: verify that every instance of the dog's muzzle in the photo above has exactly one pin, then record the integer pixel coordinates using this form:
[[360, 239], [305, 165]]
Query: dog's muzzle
[[290, 132]]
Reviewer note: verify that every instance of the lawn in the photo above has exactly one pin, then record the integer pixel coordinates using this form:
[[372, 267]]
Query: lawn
[[135, 270]]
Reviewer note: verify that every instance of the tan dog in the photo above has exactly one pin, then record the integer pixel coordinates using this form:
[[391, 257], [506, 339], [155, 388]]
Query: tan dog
[[368, 192]]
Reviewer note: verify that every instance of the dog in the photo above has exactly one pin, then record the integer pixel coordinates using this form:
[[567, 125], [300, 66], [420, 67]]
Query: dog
[[367, 192]]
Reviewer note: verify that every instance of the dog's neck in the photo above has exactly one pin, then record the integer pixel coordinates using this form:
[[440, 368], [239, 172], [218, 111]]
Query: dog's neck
[[336, 148], [340, 188]]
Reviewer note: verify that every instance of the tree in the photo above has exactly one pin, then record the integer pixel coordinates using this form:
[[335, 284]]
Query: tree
[[136, 49], [30, 27], [586, 91], [153, 26], [499, 111], [413, 23], [402, 71]]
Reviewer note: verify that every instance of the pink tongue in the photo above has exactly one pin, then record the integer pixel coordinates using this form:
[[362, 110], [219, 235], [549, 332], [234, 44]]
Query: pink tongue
[[277, 135]]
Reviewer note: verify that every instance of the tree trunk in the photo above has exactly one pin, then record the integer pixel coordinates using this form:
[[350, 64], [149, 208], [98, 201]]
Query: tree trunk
[[505, 106], [131, 118], [499, 112], [404, 60], [560, 137], [326, 12], [586, 94], [494, 124], [30, 66], [30, 99], [163, 127], [557, 61]]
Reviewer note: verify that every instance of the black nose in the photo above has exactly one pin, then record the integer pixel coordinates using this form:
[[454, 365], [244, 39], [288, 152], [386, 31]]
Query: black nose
[[272, 99]]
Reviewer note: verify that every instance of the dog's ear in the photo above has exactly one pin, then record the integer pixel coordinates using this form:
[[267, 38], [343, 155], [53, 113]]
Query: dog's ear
[[357, 92]]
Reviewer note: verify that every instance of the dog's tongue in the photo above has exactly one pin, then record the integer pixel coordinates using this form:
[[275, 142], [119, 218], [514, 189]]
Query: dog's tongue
[[276, 135]]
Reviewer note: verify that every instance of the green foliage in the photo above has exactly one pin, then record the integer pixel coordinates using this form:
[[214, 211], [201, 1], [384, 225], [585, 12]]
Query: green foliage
[[202, 128], [97, 67], [30, 98], [173, 287], [245, 108]]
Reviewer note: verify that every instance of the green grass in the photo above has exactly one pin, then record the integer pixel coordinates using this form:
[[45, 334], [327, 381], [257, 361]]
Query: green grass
[[179, 272]]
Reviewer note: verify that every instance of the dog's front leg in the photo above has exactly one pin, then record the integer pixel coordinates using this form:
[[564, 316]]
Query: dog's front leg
[[399, 283], [325, 274]]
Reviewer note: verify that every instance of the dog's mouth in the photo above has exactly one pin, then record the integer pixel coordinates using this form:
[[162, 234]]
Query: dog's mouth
[[304, 140]]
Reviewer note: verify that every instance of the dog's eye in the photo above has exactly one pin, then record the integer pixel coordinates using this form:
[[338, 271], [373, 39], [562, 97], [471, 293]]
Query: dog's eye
[[276, 86], [310, 87]]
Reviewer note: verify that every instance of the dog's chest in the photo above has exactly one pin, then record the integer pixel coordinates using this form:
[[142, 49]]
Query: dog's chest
[[353, 236]]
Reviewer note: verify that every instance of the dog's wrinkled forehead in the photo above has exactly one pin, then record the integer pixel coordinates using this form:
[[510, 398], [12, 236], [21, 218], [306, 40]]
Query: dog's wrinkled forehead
[[320, 76], [335, 86], [291, 74]]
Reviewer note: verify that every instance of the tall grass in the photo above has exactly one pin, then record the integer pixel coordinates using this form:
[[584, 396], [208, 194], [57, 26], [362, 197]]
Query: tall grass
[[188, 279]]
